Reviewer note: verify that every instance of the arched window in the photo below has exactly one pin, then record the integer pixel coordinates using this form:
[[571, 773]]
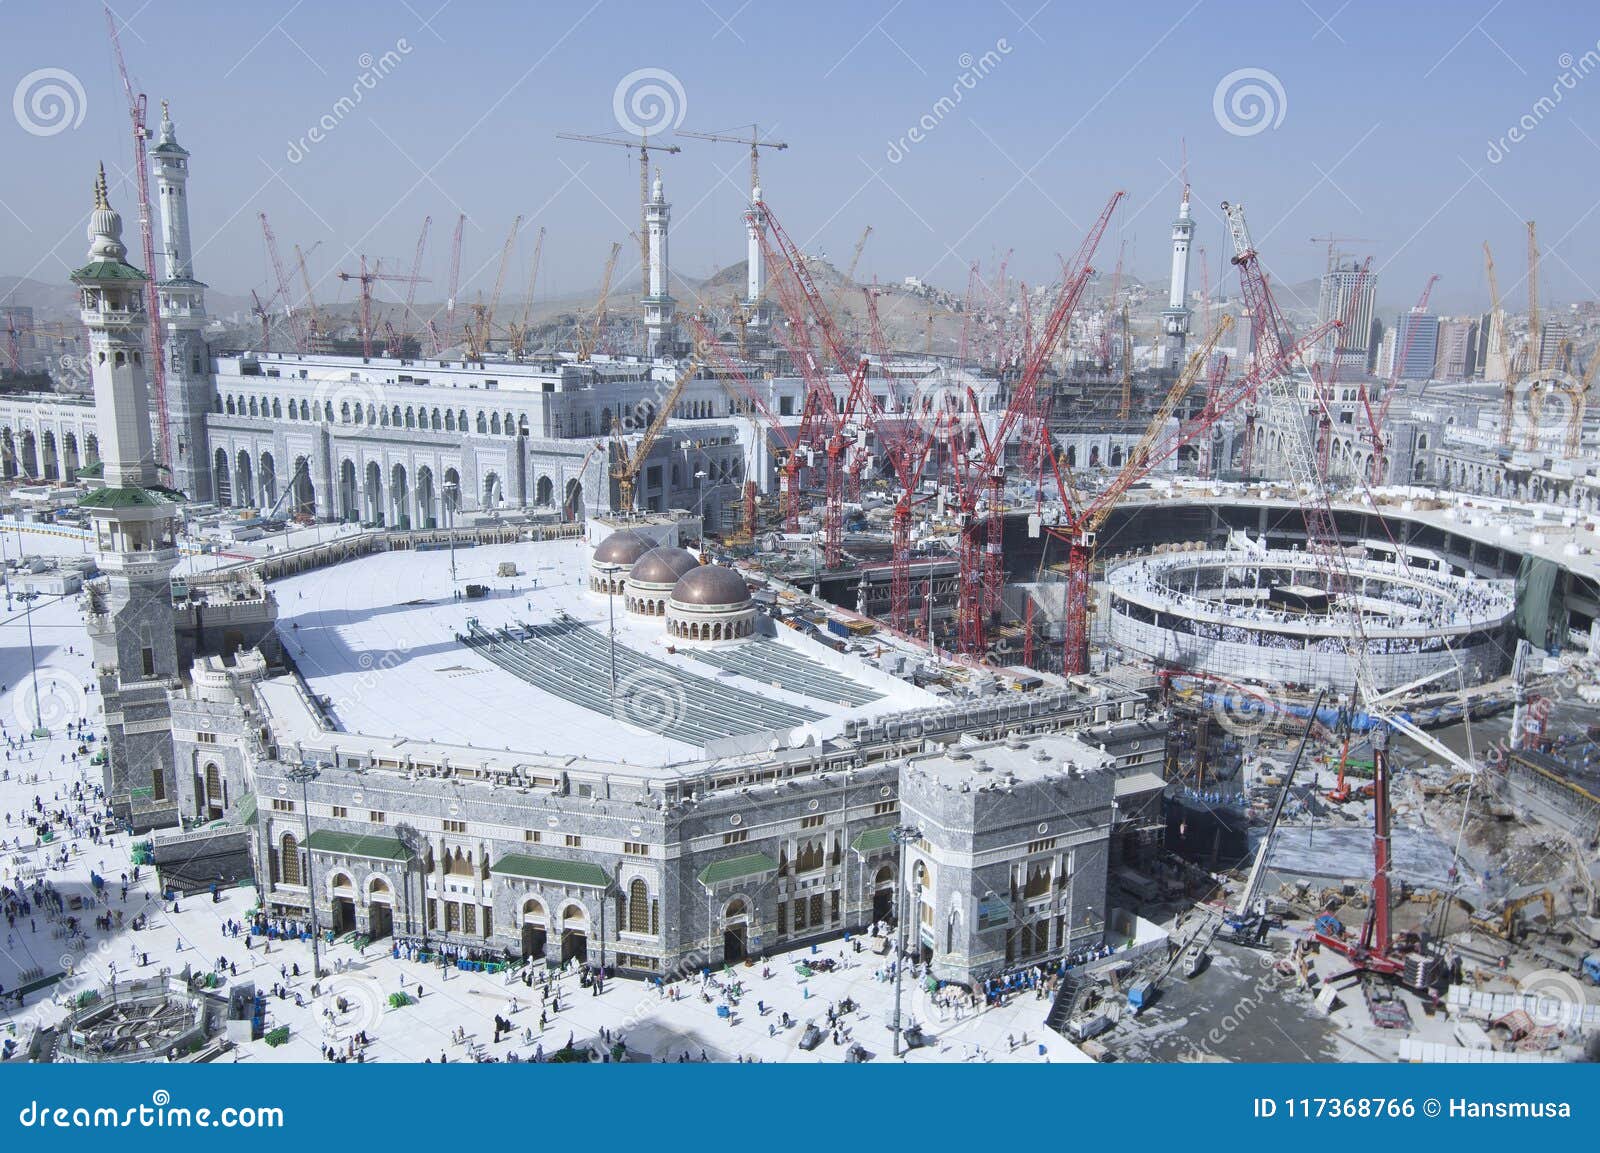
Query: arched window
[[289, 860], [638, 908], [483, 423]]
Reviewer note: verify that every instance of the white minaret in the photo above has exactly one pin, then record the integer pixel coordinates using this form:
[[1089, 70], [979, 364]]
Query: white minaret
[[129, 607], [1175, 317], [755, 227], [190, 388], [658, 302]]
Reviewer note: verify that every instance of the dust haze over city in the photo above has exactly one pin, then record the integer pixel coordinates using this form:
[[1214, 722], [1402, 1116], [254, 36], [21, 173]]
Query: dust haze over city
[[1015, 534]]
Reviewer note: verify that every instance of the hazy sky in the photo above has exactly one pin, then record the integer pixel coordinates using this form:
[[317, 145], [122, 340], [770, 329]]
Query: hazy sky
[[1388, 120]]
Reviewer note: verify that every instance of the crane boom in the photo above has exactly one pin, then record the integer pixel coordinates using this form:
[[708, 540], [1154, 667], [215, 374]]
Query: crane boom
[[627, 473], [141, 164]]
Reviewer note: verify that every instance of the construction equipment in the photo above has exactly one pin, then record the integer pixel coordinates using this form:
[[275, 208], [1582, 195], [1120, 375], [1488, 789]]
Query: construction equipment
[[1082, 521], [366, 279], [755, 143], [645, 149], [519, 327], [979, 588], [411, 289], [1506, 922], [626, 471], [855, 256], [589, 338], [156, 359], [483, 315], [1125, 406], [450, 293], [785, 445], [297, 331], [313, 325]]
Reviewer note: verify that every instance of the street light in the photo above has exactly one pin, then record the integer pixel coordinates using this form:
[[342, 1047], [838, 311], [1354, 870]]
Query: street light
[[304, 774], [451, 492], [902, 836], [27, 598], [610, 570]]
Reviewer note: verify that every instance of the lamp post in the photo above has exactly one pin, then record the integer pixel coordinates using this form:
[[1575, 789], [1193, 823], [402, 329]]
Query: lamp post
[[451, 492], [902, 835], [610, 571], [27, 598], [303, 775]]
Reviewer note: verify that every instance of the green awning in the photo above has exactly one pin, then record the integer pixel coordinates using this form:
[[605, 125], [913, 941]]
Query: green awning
[[131, 496], [369, 845], [874, 839], [550, 869], [735, 868]]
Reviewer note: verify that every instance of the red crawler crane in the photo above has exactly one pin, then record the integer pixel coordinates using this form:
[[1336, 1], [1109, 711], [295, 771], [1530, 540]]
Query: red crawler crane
[[981, 568], [141, 165], [786, 445]]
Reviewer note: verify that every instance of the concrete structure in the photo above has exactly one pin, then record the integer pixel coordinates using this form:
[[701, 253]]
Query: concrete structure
[[1266, 616], [1347, 293], [1175, 318]]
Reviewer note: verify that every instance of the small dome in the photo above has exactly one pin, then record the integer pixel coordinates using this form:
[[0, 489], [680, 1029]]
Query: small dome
[[662, 566], [711, 585], [624, 547]]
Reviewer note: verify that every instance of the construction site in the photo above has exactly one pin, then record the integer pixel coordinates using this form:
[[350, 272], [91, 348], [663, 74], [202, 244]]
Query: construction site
[[1149, 676]]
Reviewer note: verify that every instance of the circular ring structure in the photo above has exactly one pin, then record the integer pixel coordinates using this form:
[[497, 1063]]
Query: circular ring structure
[[1269, 615]]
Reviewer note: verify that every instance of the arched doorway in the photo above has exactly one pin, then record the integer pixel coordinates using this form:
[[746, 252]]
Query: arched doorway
[[492, 495], [244, 479], [214, 801], [574, 933], [426, 516], [349, 496], [373, 496], [399, 494], [883, 894], [8, 449], [220, 479], [544, 493], [30, 455], [70, 460], [50, 459], [573, 508], [342, 894], [735, 931], [535, 932], [304, 492], [380, 908], [269, 481]]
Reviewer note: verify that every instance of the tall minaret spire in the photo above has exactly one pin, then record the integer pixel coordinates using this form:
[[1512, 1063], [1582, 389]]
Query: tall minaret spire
[[659, 307], [190, 387], [130, 615], [1176, 316]]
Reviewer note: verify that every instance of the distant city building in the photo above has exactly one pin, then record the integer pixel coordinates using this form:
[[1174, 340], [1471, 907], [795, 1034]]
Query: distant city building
[[1454, 349], [1552, 337], [1417, 343], [1347, 294]]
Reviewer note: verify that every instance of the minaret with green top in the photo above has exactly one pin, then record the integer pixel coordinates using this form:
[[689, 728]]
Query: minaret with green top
[[133, 516]]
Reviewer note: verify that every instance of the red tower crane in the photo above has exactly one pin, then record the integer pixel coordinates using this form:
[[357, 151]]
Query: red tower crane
[[450, 294], [409, 315], [297, 331], [141, 164], [981, 568], [366, 279]]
